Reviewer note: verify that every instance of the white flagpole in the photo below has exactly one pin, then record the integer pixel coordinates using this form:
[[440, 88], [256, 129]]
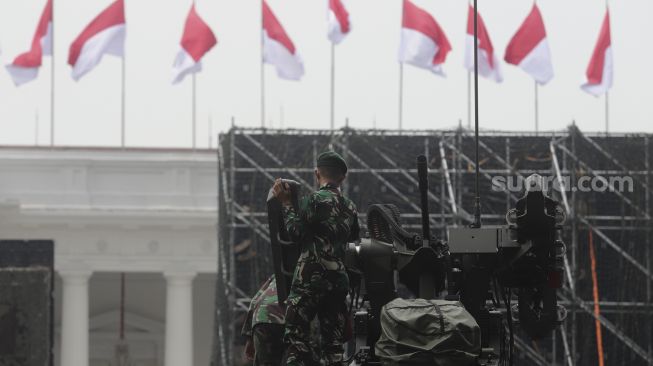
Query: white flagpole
[[537, 110], [194, 111], [401, 78], [607, 99], [262, 72], [607, 113], [401, 95], [469, 100], [36, 128], [333, 83], [210, 131], [194, 106], [52, 80], [122, 103]]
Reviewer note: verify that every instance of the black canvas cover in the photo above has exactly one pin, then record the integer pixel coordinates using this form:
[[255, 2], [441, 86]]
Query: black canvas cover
[[284, 251]]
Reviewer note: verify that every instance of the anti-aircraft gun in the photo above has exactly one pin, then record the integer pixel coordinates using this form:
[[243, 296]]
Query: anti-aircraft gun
[[471, 275], [480, 266]]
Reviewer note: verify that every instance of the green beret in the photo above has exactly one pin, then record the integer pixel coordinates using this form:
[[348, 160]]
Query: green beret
[[333, 159]]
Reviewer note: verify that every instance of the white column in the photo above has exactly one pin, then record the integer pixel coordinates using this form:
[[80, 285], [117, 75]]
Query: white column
[[74, 318], [179, 318]]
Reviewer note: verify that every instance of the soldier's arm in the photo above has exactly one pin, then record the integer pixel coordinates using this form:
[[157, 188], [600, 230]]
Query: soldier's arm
[[298, 223]]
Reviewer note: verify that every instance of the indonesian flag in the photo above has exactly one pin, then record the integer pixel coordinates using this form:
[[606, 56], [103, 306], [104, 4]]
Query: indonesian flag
[[423, 42], [599, 72], [488, 63], [529, 48], [278, 49], [338, 19], [196, 41], [26, 66], [104, 35]]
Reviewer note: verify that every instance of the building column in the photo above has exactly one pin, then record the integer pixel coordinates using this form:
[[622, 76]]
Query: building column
[[179, 318], [74, 318]]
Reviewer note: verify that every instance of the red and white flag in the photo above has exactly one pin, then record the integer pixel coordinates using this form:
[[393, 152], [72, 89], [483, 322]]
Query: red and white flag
[[278, 49], [338, 19], [423, 42], [488, 63], [104, 35], [25, 67], [529, 48], [600, 70], [196, 41]]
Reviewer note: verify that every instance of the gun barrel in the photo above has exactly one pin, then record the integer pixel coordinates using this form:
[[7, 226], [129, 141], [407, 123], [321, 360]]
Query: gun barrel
[[422, 174]]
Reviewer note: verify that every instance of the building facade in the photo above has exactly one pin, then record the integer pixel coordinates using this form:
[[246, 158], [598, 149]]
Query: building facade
[[147, 213]]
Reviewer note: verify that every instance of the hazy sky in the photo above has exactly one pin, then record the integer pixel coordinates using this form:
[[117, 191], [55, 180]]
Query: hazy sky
[[159, 114]]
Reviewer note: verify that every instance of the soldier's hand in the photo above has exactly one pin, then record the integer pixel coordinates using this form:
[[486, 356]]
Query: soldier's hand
[[281, 191]]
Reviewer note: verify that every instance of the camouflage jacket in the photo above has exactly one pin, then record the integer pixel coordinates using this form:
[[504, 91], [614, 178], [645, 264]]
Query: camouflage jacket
[[326, 221], [264, 308]]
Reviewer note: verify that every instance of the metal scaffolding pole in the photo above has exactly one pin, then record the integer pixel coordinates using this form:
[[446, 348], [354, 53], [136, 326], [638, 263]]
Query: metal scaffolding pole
[[278, 161], [586, 167], [385, 182], [627, 341], [573, 269], [483, 172], [232, 241], [452, 199], [408, 175], [507, 163], [459, 180], [649, 283]]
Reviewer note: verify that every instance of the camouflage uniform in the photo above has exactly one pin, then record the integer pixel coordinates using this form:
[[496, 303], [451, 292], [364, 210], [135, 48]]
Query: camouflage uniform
[[264, 324], [326, 221]]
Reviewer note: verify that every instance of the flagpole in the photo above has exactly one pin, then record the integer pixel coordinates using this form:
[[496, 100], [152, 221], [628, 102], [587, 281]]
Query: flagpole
[[194, 111], [194, 106], [401, 79], [401, 95], [477, 201], [36, 128], [333, 84], [607, 113], [262, 72], [469, 100], [210, 131], [537, 111], [122, 103], [52, 53], [607, 99]]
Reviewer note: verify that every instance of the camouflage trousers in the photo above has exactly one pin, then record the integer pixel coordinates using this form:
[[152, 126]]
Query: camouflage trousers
[[268, 344], [315, 292]]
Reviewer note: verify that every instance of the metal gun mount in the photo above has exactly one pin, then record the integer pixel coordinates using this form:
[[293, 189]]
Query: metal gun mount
[[393, 257], [526, 255]]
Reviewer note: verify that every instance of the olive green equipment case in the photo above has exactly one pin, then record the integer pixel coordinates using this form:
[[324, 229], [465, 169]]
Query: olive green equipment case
[[427, 332]]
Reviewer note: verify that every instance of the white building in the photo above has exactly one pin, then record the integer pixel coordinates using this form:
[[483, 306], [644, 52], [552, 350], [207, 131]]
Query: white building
[[150, 213]]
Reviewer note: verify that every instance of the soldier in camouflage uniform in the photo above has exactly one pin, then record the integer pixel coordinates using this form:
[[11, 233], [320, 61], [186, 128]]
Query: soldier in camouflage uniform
[[264, 326], [326, 221]]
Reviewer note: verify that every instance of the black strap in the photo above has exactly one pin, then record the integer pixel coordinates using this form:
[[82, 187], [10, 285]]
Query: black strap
[[440, 315]]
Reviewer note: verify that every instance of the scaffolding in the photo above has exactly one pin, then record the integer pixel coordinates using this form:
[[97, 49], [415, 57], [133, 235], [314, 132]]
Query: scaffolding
[[606, 181]]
